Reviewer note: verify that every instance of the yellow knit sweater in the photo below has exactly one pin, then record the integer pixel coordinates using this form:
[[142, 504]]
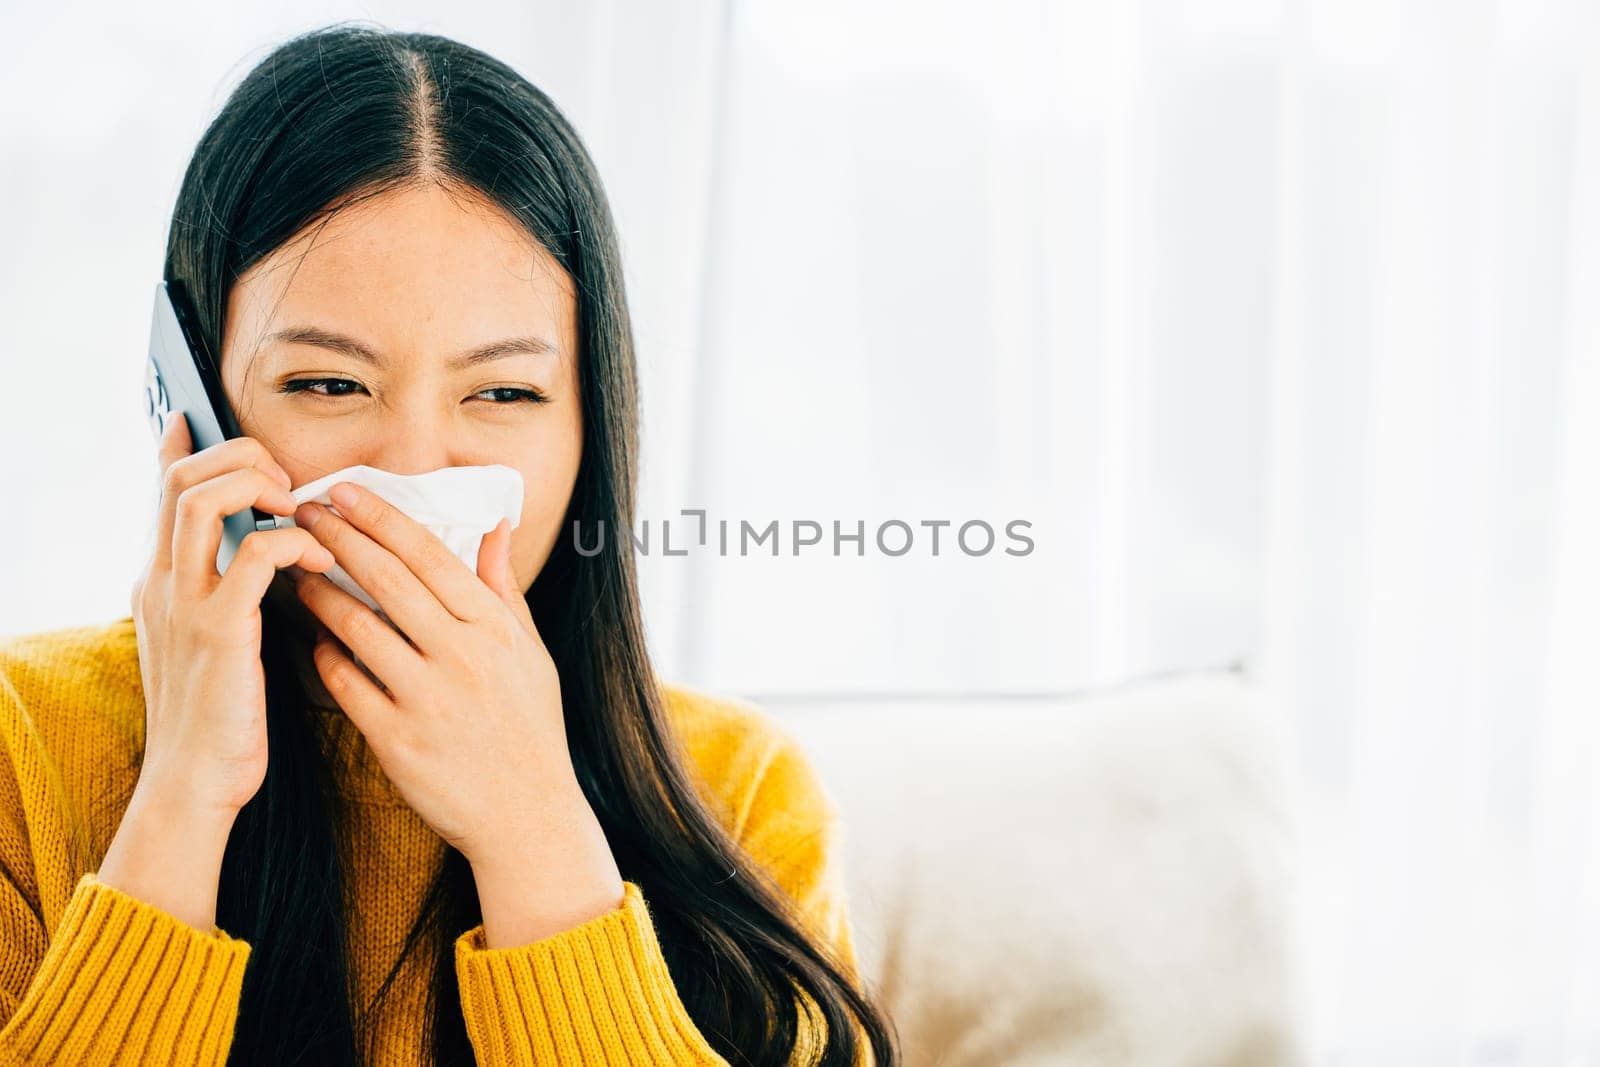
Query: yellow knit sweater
[[89, 974]]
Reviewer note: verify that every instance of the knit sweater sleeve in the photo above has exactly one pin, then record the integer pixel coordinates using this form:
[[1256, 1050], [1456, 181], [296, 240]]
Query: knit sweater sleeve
[[598, 993], [601, 993], [100, 977]]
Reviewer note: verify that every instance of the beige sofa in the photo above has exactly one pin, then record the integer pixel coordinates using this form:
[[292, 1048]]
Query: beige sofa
[[1094, 880]]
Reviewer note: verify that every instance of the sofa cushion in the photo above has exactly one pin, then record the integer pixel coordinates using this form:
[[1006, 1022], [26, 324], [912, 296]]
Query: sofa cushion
[[1092, 880]]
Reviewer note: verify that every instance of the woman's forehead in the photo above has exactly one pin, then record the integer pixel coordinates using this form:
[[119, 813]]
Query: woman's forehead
[[408, 270]]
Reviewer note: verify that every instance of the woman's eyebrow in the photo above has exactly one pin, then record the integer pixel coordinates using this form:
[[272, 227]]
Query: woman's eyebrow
[[338, 342]]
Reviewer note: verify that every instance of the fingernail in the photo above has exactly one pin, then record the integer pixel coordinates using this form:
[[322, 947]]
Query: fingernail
[[307, 515], [343, 494]]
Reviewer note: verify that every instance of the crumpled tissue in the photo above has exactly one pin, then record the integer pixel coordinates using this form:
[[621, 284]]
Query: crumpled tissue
[[459, 505]]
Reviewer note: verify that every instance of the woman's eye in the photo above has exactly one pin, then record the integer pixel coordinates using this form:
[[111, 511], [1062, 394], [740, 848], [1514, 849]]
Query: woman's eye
[[308, 385], [506, 394], [499, 395]]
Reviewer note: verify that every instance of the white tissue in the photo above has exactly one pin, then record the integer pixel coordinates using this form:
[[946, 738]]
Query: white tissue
[[459, 505]]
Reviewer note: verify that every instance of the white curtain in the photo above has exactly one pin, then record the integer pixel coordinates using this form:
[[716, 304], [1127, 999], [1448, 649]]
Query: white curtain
[[1274, 319], [1430, 527]]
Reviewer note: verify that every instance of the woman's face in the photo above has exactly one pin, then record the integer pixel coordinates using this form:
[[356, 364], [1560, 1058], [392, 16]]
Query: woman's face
[[416, 279]]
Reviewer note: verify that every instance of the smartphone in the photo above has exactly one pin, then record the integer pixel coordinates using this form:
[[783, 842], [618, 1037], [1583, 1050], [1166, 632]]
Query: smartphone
[[183, 380]]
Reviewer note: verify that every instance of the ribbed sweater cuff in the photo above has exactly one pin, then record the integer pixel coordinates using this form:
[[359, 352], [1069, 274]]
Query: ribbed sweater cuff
[[125, 982], [598, 993]]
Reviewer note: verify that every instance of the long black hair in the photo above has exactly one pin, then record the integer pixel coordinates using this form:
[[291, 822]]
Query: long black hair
[[330, 118]]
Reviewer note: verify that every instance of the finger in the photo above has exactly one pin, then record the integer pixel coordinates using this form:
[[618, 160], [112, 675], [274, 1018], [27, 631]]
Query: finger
[[494, 563], [175, 442], [427, 561], [494, 568], [398, 593], [177, 450], [384, 652], [180, 471], [260, 556], [358, 696], [197, 523]]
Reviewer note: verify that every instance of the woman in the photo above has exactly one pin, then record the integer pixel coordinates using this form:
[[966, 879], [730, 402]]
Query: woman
[[508, 842]]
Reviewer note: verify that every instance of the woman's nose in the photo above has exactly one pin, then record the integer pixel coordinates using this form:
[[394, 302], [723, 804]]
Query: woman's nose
[[414, 444]]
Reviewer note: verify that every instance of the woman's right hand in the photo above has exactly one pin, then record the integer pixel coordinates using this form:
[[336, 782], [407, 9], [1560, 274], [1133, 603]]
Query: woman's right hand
[[199, 632]]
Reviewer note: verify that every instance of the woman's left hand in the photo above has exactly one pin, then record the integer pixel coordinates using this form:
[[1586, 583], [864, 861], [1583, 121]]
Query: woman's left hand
[[467, 722]]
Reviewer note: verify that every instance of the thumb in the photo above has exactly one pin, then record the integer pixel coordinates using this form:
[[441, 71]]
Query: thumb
[[494, 562]]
